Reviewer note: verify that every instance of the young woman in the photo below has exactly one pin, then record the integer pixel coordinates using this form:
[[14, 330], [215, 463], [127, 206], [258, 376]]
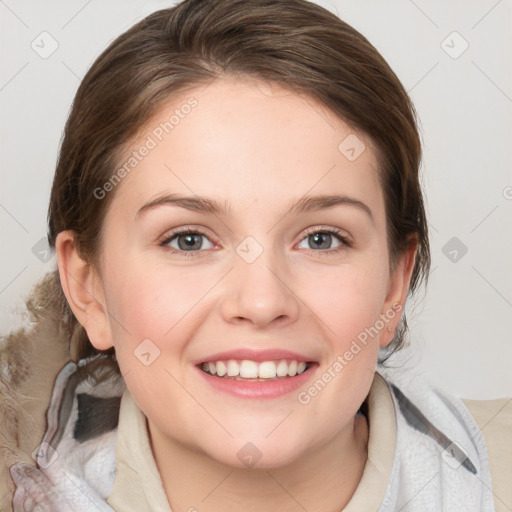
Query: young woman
[[238, 222]]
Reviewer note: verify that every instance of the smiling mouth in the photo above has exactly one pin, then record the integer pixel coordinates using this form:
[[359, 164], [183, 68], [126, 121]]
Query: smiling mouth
[[252, 371]]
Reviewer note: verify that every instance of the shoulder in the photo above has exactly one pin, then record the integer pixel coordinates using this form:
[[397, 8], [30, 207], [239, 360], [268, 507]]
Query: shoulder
[[493, 415], [494, 418], [30, 360], [81, 421]]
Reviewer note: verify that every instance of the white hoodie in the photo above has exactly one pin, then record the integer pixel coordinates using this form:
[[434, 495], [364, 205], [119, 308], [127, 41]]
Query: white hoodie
[[425, 450]]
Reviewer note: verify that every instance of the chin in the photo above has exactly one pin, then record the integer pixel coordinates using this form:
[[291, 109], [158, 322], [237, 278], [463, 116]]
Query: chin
[[257, 454]]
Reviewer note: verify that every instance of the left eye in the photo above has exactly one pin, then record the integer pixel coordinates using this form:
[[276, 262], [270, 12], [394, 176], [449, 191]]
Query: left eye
[[322, 240]]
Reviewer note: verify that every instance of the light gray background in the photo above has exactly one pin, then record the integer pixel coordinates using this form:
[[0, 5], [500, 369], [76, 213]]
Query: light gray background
[[461, 329]]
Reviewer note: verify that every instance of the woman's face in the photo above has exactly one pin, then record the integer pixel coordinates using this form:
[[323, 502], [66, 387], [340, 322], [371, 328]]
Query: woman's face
[[286, 259]]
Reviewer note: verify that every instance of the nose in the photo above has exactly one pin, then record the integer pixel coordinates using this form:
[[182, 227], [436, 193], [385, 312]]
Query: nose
[[260, 293]]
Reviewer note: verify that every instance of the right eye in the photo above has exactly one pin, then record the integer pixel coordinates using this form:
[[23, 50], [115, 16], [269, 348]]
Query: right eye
[[185, 241]]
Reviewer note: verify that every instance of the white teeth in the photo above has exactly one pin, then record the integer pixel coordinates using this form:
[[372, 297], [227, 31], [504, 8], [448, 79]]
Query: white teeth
[[292, 369], [282, 369], [221, 369], [247, 369], [233, 368], [267, 370]]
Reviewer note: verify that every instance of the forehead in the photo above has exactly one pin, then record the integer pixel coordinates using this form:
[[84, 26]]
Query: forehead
[[247, 142]]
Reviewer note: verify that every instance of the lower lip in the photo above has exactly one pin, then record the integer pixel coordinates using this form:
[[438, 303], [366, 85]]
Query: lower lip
[[259, 389]]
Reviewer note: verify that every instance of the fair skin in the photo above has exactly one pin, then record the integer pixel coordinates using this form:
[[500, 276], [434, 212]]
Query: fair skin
[[257, 149]]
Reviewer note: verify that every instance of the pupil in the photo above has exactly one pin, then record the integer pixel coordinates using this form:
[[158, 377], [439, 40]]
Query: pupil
[[317, 239], [191, 242]]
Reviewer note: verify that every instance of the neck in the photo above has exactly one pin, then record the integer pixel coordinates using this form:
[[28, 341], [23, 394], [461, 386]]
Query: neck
[[321, 480]]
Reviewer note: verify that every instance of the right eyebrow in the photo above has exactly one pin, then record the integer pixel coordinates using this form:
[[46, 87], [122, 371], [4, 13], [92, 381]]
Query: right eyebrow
[[193, 203]]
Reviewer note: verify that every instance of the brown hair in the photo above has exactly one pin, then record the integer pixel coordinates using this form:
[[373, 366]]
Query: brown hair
[[293, 43]]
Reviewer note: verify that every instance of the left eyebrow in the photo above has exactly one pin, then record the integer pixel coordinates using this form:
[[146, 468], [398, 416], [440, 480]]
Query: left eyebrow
[[208, 205], [315, 203]]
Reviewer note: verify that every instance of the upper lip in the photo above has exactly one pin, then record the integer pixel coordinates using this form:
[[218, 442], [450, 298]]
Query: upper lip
[[254, 355]]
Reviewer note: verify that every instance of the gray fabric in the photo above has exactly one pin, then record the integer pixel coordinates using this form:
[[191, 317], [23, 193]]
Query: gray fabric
[[440, 461]]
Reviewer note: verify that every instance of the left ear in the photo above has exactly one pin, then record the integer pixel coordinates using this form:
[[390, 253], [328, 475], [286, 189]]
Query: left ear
[[398, 288]]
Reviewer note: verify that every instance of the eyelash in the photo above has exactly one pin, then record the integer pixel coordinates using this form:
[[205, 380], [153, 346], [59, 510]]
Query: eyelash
[[345, 241]]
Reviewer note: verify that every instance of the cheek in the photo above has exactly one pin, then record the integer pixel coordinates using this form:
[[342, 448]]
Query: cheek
[[347, 299], [155, 302], [152, 323]]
